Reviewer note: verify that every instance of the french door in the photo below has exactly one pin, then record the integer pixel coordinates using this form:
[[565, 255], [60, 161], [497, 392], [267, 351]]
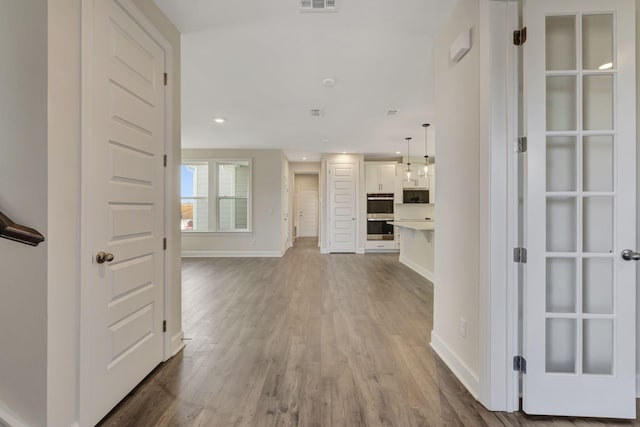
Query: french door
[[580, 208]]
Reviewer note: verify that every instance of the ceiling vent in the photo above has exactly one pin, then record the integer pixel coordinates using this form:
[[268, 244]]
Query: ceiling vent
[[318, 5], [392, 112], [316, 112]]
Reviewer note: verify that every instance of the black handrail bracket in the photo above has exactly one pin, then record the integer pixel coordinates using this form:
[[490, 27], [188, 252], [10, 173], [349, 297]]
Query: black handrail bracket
[[19, 233]]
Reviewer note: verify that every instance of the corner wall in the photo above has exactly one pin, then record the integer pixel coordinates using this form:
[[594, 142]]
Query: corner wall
[[458, 206]]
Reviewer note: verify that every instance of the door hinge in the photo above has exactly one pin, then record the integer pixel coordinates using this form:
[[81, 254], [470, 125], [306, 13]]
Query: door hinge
[[520, 255], [521, 144], [165, 160], [520, 36], [164, 243], [164, 326], [520, 364], [166, 79]]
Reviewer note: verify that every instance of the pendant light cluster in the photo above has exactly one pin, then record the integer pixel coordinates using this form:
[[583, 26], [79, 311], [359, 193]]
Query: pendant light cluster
[[425, 169], [408, 158]]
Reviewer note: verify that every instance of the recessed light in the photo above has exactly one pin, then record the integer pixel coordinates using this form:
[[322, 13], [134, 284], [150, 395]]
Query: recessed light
[[325, 141], [328, 82], [607, 66], [219, 120], [344, 152], [304, 158], [397, 152]]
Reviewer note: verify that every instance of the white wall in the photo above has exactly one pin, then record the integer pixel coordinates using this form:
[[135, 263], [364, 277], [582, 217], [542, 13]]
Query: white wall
[[417, 250], [23, 197], [265, 239], [458, 203]]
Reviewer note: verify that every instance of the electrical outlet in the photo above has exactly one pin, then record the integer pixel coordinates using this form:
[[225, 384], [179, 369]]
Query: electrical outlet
[[463, 327]]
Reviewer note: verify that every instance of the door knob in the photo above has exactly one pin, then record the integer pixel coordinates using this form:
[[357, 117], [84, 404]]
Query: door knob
[[103, 257], [629, 255]]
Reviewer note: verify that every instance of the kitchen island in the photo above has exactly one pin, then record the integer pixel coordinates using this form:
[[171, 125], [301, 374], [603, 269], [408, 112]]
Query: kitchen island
[[417, 241]]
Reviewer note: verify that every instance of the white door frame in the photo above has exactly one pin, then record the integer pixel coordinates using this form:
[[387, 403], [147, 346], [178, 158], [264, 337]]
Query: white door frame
[[498, 296], [171, 345]]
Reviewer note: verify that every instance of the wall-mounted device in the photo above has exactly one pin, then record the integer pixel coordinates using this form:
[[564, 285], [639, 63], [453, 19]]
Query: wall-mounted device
[[19, 233]]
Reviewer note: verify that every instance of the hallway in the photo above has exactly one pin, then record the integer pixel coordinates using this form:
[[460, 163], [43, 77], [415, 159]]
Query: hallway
[[306, 340]]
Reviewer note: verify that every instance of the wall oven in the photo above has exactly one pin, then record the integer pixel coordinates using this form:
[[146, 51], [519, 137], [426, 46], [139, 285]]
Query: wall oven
[[377, 227], [380, 204], [379, 211]]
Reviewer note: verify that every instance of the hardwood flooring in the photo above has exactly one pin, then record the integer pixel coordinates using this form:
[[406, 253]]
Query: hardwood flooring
[[308, 340]]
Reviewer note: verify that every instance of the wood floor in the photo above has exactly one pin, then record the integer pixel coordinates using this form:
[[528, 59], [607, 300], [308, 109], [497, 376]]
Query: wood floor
[[308, 340]]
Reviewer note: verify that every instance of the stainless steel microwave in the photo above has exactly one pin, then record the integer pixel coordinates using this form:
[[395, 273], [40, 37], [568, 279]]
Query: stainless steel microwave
[[415, 195]]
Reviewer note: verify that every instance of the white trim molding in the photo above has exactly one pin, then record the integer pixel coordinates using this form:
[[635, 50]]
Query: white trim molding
[[177, 343], [232, 254], [8, 418], [468, 378], [417, 268]]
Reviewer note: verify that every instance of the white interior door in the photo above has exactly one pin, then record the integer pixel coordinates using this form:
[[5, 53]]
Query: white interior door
[[285, 213], [308, 213], [122, 190], [342, 206], [580, 214]]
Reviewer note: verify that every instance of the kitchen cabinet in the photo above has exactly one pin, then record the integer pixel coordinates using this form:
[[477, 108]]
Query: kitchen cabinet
[[380, 177]]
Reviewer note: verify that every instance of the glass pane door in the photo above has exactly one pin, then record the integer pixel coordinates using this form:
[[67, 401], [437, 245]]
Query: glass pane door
[[577, 289]]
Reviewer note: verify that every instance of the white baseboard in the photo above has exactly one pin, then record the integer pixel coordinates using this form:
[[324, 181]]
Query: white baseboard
[[9, 419], [417, 268], [231, 254], [456, 365], [177, 343], [360, 251]]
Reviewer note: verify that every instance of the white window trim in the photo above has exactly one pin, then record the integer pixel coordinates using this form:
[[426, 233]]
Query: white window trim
[[213, 197]]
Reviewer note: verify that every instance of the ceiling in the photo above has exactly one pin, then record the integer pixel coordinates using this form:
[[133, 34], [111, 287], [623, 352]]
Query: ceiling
[[260, 65]]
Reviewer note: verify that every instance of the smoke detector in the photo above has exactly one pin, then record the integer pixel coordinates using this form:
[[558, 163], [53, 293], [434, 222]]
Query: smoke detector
[[317, 5]]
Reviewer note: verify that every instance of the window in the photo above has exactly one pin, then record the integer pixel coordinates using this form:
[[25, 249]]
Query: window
[[216, 195]]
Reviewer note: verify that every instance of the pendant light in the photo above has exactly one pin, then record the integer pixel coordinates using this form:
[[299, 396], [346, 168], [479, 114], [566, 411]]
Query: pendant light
[[408, 139], [423, 171]]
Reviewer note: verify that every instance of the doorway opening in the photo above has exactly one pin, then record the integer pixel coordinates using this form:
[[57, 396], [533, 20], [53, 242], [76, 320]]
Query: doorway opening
[[306, 203]]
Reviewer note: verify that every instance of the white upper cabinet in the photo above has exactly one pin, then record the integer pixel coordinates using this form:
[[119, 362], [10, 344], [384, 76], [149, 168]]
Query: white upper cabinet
[[380, 177]]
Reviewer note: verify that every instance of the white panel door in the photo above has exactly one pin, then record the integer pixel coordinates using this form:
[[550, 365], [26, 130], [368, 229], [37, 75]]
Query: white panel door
[[579, 293], [342, 207], [308, 215], [122, 190], [285, 213]]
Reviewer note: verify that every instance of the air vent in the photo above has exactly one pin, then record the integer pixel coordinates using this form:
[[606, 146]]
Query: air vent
[[392, 112], [318, 5], [316, 112]]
